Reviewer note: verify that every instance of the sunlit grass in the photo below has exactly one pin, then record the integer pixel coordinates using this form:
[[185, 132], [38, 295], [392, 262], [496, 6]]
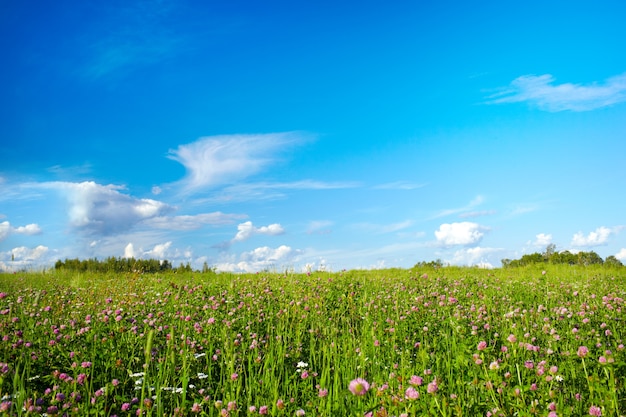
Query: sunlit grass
[[451, 341]]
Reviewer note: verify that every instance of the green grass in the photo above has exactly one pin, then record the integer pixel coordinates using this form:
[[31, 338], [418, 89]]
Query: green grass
[[465, 341]]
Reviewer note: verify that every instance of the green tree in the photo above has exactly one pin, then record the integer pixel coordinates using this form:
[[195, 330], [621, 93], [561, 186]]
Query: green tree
[[613, 261]]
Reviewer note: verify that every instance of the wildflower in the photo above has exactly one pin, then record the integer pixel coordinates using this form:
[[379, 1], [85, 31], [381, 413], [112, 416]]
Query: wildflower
[[125, 407], [302, 365], [300, 413], [280, 404], [232, 406], [411, 393], [432, 387], [234, 376], [322, 393], [252, 409], [416, 380], [359, 386], [263, 410], [482, 345], [595, 411], [494, 365], [583, 351]]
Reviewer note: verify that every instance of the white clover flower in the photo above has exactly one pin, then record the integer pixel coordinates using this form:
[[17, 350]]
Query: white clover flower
[[302, 364]]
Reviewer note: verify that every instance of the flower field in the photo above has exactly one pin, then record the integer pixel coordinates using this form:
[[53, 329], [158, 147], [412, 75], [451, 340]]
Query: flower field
[[440, 342]]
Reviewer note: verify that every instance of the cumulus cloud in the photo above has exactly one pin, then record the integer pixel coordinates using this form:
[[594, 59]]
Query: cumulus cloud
[[596, 238], [22, 257], [6, 229], [27, 254], [220, 160], [129, 251], [540, 91], [103, 209], [159, 251], [262, 258], [543, 239], [463, 233], [247, 229], [477, 256], [621, 255]]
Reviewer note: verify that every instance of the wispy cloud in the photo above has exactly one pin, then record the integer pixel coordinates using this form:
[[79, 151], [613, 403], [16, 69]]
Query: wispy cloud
[[319, 227], [447, 212], [541, 91], [223, 160], [399, 185], [480, 213], [139, 33], [193, 222], [384, 228]]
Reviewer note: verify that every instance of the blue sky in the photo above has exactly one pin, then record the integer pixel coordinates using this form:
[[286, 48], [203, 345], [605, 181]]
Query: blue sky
[[275, 135]]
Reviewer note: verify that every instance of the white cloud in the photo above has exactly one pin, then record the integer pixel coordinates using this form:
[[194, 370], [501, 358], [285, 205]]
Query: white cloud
[[596, 238], [137, 34], [6, 229], [103, 209], [247, 230], [129, 251], [27, 254], [477, 256], [399, 185], [159, 251], [261, 259], [220, 160], [23, 258], [543, 239], [541, 91], [319, 227], [621, 255], [480, 213], [463, 233], [385, 228], [447, 212]]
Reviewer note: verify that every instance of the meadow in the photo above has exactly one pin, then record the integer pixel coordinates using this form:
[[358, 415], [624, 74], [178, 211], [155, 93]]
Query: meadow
[[415, 342]]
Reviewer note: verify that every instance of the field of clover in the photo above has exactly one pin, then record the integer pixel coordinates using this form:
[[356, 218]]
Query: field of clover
[[440, 342]]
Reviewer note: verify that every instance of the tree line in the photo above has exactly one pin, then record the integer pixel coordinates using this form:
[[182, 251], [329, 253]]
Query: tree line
[[551, 256], [112, 264]]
